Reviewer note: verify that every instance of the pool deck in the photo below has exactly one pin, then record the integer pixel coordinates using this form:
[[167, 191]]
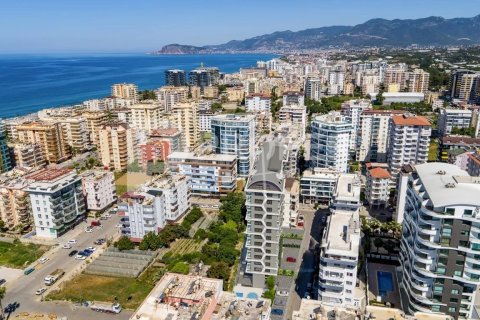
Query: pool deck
[[373, 291]]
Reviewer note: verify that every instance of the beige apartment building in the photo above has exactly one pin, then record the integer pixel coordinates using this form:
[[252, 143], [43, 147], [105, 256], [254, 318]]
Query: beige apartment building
[[146, 115], [118, 146], [125, 91], [235, 94], [96, 120], [395, 79], [210, 92], [74, 130], [168, 96], [14, 200], [185, 117], [418, 81], [49, 136], [28, 155]]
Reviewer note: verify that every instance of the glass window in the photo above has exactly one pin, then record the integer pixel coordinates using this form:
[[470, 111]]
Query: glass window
[[452, 309], [438, 289], [455, 291]]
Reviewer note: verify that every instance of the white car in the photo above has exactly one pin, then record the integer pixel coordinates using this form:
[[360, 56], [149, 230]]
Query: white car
[[43, 260], [88, 230], [72, 241], [80, 257], [107, 215], [283, 293], [119, 225], [306, 295], [67, 246], [40, 291]]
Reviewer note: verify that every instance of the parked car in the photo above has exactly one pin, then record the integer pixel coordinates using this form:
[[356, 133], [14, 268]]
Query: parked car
[[11, 307], [291, 259], [86, 253], [2, 282], [28, 271], [72, 241], [119, 225], [80, 257], [95, 223], [67, 246], [92, 249], [88, 230], [40, 291], [72, 253], [300, 224], [100, 241], [306, 295], [43, 260]]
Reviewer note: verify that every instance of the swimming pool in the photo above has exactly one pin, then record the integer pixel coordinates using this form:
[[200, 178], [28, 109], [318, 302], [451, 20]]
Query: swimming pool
[[385, 282]]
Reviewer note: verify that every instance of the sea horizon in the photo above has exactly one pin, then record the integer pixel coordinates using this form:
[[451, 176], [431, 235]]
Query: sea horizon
[[34, 81]]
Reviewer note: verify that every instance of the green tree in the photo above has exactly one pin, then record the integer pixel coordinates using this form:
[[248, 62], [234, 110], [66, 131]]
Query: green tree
[[148, 95], [378, 242], [270, 282], [232, 208], [124, 243], [216, 106], [150, 241], [379, 98], [155, 168], [192, 217], [219, 270]]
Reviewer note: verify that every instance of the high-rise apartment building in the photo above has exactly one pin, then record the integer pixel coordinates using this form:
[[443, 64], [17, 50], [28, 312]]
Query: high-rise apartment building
[[453, 118], [99, 189], [313, 89], [330, 141], [293, 98], [456, 81], [409, 141], [352, 110], [185, 118], [146, 115], [265, 193], [235, 135], [317, 185], [49, 136], [172, 135], [175, 77], [395, 79], [28, 155], [153, 150], [339, 247], [15, 209], [418, 81], [176, 192], [377, 187], [208, 175], [204, 77], [169, 96], [125, 91], [5, 159], [118, 146], [258, 102], [57, 201], [438, 206], [294, 115], [470, 87], [372, 135], [96, 120]]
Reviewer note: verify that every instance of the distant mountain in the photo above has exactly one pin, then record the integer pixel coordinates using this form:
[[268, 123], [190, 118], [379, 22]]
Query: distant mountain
[[431, 31]]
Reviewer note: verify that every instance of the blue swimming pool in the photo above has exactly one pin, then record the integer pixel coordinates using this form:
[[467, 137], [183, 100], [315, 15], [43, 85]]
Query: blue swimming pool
[[385, 282]]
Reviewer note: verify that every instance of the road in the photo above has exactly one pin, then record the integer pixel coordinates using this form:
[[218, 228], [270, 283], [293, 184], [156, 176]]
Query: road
[[307, 273], [23, 289]]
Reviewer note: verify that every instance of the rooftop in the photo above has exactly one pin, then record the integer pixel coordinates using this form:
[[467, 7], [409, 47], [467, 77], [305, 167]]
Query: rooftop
[[343, 233], [348, 187], [461, 140], [447, 184], [165, 132], [321, 173], [410, 120], [207, 157], [314, 309], [48, 174], [379, 173], [234, 117], [332, 118], [268, 168]]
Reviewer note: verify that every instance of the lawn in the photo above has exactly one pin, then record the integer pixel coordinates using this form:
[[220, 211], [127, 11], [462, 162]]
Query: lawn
[[100, 288], [433, 151], [18, 255]]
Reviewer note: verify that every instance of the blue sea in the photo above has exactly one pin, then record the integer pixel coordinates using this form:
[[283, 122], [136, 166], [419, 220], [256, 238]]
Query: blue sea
[[29, 83]]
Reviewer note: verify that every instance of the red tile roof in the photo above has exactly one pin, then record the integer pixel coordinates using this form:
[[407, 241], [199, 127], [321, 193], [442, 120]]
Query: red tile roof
[[379, 173], [48, 174], [410, 120]]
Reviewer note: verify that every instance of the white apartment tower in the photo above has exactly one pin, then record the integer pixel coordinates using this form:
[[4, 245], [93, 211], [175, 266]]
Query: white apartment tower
[[99, 189], [57, 201], [352, 110], [409, 141], [439, 261], [339, 246], [313, 89], [146, 115], [330, 141]]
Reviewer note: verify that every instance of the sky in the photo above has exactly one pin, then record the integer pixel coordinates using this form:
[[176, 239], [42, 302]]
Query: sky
[[42, 26]]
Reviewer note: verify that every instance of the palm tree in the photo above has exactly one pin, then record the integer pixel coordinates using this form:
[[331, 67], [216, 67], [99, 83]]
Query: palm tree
[[3, 292]]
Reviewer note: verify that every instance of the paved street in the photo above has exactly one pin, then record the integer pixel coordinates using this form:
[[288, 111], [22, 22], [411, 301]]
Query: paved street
[[23, 289], [309, 264]]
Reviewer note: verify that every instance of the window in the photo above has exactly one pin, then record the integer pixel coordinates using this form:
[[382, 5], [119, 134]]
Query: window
[[467, 212], [455, 291], [436, 308], [450, 211], [458, 273], [438, 289], [447, 232], [452, 309], [454, 300], [40, 216]]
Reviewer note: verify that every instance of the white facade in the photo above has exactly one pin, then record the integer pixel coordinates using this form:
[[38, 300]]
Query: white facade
[[176, 192], [145, 212], [377, 188], [339, 247], [409, 141], [373, 130], [295, 115], [208, 175], [99, 189], [317, 185], [146, 115], [440, 239], [293, 98], [352, 110], [125, 91], [330, 141], [257, 103], [453, 118], [205, 120], [313, 89], [57, 201]]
